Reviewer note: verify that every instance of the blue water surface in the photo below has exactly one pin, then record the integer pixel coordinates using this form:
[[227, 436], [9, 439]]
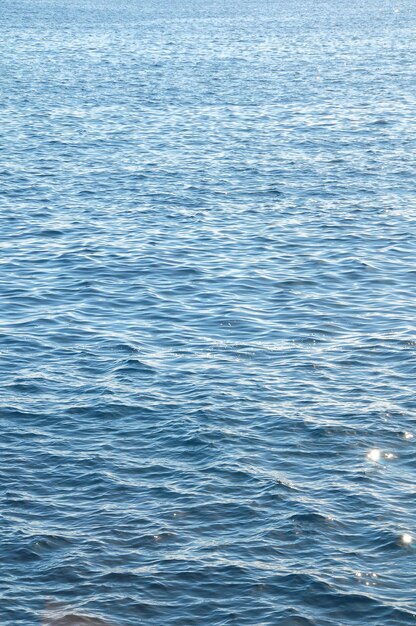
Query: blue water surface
[[208, 301]]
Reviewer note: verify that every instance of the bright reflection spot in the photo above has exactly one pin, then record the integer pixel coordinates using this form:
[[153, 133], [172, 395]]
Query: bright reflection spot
[[406, 539], [367, 578], [408, 436], [374, 455]]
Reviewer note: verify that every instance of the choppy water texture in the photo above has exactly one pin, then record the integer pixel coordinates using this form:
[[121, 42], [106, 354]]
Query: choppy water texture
[[208, 288]]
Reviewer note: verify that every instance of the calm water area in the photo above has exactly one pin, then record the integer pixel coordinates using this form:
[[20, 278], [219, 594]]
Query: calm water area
[[207, 313]]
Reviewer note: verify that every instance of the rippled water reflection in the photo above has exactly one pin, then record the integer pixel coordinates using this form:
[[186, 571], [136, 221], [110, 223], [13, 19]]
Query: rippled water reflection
[[208, 301]]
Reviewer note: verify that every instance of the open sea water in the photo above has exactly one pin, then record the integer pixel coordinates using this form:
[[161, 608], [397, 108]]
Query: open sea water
[[208, 301]]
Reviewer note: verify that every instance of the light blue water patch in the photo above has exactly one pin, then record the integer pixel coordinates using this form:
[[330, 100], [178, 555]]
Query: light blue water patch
[[208, 290]]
